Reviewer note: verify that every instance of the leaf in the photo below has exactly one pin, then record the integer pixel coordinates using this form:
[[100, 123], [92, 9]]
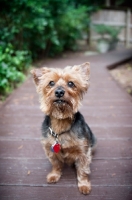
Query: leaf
[[29, 172], [113, 174], [20, 147]]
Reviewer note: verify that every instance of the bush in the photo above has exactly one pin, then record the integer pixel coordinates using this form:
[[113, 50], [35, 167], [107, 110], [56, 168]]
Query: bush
[[67, 30], [42, 27], [107, 32], [12, 64]]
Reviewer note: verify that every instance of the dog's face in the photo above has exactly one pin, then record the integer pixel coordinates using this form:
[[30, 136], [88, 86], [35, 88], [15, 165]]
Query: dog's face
[[61, 90]]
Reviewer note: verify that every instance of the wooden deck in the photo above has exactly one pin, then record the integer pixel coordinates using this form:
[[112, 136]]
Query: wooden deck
[[108, 111]]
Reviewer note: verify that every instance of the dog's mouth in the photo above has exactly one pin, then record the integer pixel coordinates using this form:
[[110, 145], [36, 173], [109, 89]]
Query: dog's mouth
[[60, 101]]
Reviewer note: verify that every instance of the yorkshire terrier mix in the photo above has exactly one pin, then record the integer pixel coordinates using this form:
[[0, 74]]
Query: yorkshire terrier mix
[[67, 137]]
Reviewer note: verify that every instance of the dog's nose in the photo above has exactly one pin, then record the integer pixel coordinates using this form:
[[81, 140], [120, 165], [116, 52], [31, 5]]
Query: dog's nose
[[59, 92]]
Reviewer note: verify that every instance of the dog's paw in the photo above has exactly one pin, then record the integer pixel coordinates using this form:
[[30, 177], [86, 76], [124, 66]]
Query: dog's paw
[[85, 189], [53, 178]]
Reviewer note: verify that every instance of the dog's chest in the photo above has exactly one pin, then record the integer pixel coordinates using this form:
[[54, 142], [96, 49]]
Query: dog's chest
[[71, 147]]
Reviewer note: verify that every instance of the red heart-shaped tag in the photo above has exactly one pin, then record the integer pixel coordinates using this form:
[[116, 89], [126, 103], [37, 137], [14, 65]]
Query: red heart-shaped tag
[[56, 147]]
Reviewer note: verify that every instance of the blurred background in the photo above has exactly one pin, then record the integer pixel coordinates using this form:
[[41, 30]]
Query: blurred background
[[34, 29]]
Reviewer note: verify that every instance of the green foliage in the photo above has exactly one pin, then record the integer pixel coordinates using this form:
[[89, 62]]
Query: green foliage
[[107, 32], [101, 29], [12, 63], [43, 28], [68, 30], [114, 32]]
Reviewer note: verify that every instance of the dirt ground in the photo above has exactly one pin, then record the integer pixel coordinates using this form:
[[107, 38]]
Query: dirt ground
[[123, 74]]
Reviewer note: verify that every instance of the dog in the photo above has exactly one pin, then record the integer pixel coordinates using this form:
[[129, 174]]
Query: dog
[[66, 136]]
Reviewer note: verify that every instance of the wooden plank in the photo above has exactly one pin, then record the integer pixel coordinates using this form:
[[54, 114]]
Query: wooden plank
[[102, 107], [110, 121], [64, 193], [109, 23], [34, 171], [106, 148], [112, 132], [20, 131], [108, 115], [32, 131], [21, 148], [98, 98]]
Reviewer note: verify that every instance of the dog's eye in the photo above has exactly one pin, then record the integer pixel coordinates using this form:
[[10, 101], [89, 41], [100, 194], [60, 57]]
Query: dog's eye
[[71, 84], [51, 83]]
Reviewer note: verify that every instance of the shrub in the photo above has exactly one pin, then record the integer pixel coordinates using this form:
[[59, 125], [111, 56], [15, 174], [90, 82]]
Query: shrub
[[42, 27], [12, 64], [67, 29], [107, 32]]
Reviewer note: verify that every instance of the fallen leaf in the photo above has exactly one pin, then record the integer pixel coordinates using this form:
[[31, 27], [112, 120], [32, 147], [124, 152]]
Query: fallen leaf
[[114, 174], [29, 172], [20, 147]]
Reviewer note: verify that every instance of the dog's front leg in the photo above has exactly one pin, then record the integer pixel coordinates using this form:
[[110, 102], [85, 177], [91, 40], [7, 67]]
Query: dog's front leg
[[56, 172], [82, 166]]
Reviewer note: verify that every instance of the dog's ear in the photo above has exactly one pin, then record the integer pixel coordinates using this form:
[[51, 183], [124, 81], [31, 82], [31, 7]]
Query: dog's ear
[[38, 73], [83, 69]]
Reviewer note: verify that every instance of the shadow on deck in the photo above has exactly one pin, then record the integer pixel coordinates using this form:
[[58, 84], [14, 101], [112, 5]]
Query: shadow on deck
[[108, 111]]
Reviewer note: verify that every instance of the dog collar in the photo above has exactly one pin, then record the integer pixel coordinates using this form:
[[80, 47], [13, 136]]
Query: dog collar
[[53, 133], [56, 147]]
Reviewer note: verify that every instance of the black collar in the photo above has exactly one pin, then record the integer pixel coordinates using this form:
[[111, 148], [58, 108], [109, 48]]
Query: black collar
[[55, 134]]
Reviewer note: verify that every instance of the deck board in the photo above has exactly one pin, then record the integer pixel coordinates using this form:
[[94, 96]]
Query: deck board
[[61, 193], [15, 172]]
